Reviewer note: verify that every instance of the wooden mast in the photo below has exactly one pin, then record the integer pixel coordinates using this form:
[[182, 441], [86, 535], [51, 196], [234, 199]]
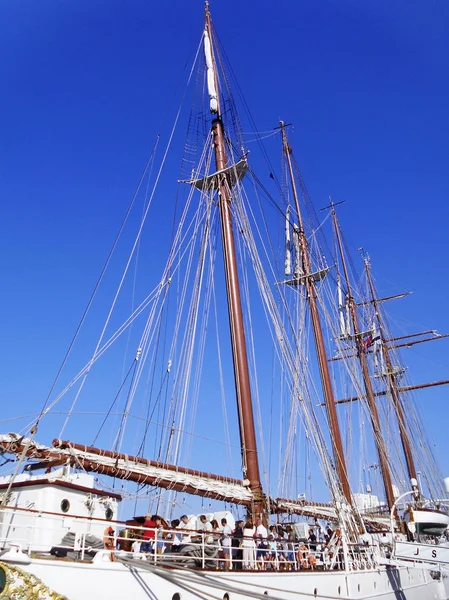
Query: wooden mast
[[309, 282], [239, 354], [391, 377], [361, 355]]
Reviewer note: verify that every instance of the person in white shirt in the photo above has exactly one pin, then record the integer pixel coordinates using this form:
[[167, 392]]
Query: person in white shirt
[[261, 541], [185, 524], [175, 538], [226, 542], [205, 527]]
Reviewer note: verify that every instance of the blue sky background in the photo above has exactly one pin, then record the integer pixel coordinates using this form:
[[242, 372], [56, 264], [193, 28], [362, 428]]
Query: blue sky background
[[85, 86]]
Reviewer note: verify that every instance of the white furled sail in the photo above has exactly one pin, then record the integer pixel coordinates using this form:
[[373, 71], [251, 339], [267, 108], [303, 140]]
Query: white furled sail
[[348, 316], [233, 174], [342, 311], [132, 468], [298, 269], [213, 98], [288, 244]]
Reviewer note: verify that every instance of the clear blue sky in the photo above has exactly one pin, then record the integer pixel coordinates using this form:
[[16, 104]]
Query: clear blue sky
[[84, 88]]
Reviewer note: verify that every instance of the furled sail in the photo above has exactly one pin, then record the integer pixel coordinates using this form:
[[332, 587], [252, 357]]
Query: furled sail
[[342, 312], [132, 468], [288, 244], [213, 98], [298, 257], [233, 174], [316, 276]]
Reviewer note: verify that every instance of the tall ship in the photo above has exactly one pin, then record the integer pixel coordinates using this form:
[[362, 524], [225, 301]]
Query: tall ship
[[242, 425]]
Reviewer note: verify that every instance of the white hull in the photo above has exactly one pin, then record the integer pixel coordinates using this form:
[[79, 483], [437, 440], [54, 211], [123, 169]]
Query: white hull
[[117, 581]]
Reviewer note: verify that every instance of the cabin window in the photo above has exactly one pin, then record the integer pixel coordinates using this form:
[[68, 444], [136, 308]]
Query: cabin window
[[339, 590], [109, 513], [176, 596], [225, 596], [65, 505]]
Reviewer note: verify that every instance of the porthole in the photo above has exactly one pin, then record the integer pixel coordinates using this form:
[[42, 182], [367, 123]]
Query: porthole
[[3, 580], [225, 596], [65, 505], [109, 513], [176, 596]]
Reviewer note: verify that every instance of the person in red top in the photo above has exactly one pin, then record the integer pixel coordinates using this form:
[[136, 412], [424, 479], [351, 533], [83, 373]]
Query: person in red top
[[150, 527]]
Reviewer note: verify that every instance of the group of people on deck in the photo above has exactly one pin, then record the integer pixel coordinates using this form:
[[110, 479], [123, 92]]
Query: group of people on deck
[[246, 545]]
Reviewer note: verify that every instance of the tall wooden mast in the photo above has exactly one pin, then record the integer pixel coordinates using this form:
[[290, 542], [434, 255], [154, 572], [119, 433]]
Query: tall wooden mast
[[391, 377], [361, 355], [309, 283], [241, 371]]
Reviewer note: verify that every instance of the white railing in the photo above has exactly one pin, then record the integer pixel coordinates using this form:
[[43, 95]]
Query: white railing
[[40, 533]]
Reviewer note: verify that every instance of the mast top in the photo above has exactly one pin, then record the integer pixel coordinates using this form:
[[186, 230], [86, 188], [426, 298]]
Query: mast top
[[212, 77], [332, 204], [366, 258]]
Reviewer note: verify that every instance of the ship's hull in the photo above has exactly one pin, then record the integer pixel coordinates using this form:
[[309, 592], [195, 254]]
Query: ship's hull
[[120, 581]]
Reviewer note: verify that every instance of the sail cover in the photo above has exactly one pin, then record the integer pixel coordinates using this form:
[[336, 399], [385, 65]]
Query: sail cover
[[233, 174], [130, 468], [213, 98]]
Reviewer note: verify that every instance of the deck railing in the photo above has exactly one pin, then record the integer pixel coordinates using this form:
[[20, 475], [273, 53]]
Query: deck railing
[[41, 533]]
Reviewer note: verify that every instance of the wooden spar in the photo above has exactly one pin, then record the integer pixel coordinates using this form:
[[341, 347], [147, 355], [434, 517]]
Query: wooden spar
[[337, 444], [395, 297], [132, 468], [412, 335], [66, 445], [239, 354], [408, 344], [431, 339], [358, 337], [407, 388], [392, 380]]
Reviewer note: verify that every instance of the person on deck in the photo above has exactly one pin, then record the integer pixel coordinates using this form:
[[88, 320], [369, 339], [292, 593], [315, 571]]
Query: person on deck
[[159, 533], [108, 538], [216, 531], [249, 546], [174, 537], [226, 542], [185, 524], [205, 528], [290, 551], [150, 527], [262, 545], [237, 551], [312, 540]]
